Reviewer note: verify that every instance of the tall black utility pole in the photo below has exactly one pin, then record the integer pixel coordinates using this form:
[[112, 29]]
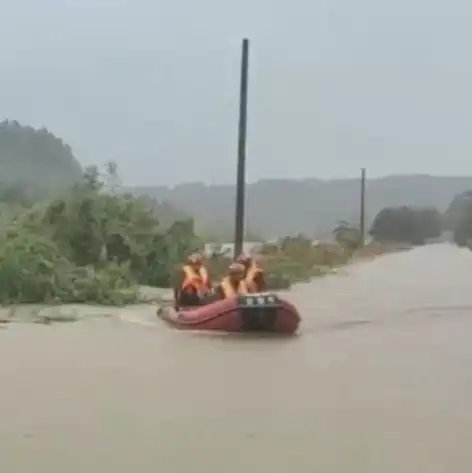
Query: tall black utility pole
[[362, 210], [241, 177]]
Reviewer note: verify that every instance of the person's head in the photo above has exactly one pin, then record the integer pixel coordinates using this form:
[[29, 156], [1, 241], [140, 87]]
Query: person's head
[[195, 260], [236, 272], [244, 259]]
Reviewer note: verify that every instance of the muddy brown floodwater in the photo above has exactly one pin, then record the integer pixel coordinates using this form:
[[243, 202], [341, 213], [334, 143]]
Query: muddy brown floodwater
[[380, 381]]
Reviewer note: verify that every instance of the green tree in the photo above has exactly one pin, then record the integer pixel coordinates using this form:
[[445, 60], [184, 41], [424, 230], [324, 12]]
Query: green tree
[[407, 225], [458, 218]]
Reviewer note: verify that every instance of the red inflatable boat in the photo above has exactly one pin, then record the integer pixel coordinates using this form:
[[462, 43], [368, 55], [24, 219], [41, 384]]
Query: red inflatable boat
[[262, 312]]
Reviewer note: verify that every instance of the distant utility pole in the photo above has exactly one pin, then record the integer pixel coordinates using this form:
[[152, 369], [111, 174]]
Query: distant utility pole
[[241, 173], [362, 209]]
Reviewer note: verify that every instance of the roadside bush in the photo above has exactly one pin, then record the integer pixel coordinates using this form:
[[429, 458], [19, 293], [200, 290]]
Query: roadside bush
[[88, 245]]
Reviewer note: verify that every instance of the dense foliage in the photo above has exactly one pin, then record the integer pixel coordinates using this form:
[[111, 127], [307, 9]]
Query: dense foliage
[[89, 244], [407, 225], [35, 158]]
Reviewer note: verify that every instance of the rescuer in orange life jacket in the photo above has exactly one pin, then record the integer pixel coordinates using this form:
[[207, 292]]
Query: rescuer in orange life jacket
[[254, 275], [194, 282], [232, 284]]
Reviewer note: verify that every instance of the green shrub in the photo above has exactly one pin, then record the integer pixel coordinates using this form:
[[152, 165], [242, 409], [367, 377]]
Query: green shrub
[[88, 245]]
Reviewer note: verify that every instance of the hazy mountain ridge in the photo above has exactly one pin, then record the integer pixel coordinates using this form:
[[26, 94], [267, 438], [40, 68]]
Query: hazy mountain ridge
[[311, 206]]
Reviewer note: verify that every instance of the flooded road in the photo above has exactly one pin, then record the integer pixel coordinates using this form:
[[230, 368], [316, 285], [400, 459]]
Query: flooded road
[[380, 381]]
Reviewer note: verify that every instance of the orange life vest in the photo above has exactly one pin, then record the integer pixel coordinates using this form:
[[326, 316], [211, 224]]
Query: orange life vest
[[199, 280], [229, 290], [251, 274]]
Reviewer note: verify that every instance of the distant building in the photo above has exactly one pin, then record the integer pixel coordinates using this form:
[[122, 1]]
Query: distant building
[[228, 248]]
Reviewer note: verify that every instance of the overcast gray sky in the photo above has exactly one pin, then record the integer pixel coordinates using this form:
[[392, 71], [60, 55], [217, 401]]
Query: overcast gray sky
[[334, 84]]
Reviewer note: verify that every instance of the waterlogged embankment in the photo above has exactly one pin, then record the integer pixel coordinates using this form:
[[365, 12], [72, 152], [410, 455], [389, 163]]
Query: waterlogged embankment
[[379, 380]]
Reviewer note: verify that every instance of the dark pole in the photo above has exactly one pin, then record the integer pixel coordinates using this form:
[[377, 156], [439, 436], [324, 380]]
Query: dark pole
[[241, 176], [362, 213]]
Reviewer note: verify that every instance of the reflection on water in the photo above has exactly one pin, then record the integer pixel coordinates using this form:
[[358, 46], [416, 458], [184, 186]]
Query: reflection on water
[[378, 381]]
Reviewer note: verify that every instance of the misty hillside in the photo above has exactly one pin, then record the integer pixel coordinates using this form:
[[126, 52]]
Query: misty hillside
[[35, 157], [311, 206]]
